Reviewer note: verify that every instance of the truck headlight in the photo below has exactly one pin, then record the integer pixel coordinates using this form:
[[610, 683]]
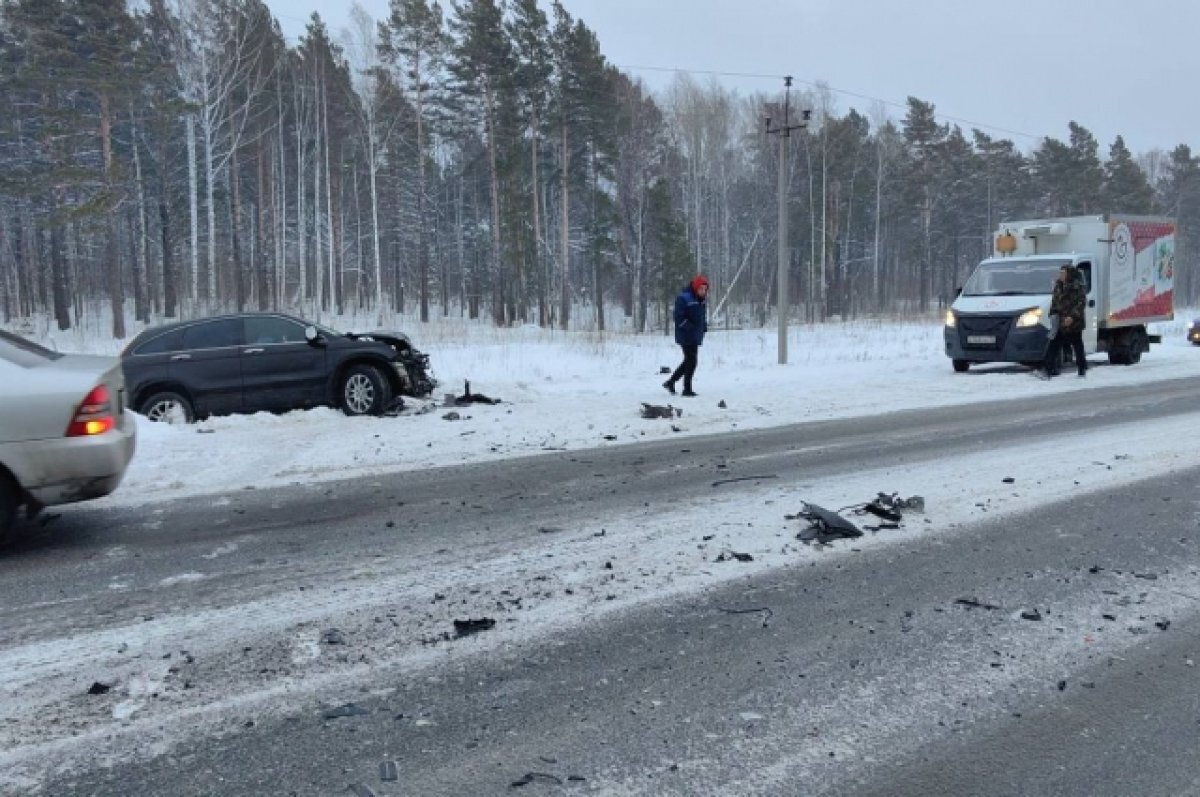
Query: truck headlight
[[1030, 318], [951, 319]]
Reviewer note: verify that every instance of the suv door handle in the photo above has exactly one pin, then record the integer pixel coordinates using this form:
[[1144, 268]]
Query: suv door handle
[[175, 357], [253, 351]]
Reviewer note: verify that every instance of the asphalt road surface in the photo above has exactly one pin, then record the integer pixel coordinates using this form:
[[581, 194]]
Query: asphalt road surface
[[294, 641]]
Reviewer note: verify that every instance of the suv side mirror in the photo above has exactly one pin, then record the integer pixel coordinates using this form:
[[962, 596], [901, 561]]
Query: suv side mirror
[[312, 335]]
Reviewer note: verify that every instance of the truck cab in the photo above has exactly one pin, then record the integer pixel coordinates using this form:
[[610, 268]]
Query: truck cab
[[1002, 313]]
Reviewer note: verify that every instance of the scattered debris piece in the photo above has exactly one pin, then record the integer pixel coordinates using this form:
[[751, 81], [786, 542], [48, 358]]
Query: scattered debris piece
[[360, 790], [347, 710], [1162, 625], [719, 482], [652, 411], [879, 510], [530, 777], [1062, 685], [915, 503], [664, 369], [389, 770], [394, 407], [1031, 614], [722, 405], [451, 416], [1095, 569], [333, 637], [470, 398], [1147, 576], [766, 609], [975, 603], [549, 529], [825, 525], [610, 437], [467, 627], [98, 688], [728, 555], [1008, 480]]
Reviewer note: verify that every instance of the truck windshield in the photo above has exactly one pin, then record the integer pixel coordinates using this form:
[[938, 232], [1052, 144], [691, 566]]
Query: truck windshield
[[1013, 278]]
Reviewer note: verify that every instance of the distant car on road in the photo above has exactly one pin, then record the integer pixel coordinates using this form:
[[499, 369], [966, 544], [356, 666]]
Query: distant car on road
[[1193, 332], [64, 433], [251, 362]]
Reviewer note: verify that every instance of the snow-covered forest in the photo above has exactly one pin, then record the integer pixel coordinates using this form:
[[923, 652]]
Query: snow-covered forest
[[178, 157]]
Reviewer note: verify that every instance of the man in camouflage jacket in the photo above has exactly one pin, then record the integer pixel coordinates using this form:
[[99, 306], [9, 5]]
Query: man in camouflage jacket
[[1069, 303]]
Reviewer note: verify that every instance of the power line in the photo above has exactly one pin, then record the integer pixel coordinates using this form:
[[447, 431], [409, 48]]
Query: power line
[[835, 89]]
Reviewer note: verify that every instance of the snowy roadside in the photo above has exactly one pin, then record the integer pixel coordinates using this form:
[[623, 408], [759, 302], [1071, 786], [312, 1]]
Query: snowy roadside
[[570, 391]]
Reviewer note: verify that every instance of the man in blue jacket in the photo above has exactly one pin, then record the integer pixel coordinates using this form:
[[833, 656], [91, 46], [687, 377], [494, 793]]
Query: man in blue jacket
[[691, 323]]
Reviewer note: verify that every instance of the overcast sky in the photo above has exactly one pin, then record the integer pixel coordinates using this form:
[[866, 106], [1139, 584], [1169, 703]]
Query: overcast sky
[[1021, 69]]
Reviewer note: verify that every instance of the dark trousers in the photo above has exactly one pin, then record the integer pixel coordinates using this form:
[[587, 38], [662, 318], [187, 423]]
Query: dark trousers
[[1065, 338], [686, 368]]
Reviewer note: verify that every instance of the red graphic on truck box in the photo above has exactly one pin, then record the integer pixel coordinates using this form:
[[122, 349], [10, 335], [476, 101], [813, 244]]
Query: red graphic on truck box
[[1142, 279]]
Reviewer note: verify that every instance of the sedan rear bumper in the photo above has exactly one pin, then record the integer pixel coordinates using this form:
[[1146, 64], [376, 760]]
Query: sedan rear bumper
[[70, 469]]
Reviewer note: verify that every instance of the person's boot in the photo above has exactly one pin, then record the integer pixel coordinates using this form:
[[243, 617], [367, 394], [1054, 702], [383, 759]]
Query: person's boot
[[670, 386], [687, 391]]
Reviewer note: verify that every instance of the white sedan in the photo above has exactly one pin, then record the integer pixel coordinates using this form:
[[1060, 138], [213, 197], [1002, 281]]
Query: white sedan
[[65, 435]]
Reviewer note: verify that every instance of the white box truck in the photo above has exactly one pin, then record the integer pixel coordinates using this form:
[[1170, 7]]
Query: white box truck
[[1002, 313]]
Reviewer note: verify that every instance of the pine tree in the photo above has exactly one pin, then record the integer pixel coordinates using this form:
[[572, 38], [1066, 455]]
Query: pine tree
[[484, 64], [529, 30], [1126, 189], [924, 137], [1087, 175], [1179, 194], [668, 245], [414, 40]]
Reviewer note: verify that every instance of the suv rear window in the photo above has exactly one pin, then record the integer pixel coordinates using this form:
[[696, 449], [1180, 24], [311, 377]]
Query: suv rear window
[[213, 334], [160, 344], [24, 353]]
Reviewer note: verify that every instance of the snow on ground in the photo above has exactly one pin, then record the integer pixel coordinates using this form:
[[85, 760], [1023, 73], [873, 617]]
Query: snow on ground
[[559, 391], [534, 592], [567, 391]]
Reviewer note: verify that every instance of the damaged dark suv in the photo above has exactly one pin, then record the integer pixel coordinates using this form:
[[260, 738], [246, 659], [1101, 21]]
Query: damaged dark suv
[[268, 361]]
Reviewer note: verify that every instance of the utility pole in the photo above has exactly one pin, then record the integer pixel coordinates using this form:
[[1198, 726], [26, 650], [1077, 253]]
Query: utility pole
[[784, 131]]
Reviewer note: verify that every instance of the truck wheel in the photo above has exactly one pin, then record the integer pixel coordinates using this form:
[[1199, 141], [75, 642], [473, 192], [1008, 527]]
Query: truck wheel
[[1137, 344], [960, 366], [365, 391]]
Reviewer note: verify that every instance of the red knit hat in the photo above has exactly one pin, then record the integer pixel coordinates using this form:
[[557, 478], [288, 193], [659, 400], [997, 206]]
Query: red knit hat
[[698, 281]]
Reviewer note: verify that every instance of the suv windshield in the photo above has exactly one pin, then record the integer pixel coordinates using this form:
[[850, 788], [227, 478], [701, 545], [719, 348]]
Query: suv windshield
[[1014, 278], [22, 352]]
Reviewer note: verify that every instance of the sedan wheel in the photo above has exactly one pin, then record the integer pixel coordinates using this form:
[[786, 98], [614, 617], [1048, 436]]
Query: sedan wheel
[[365, 391], [168, 407], [9, 501]]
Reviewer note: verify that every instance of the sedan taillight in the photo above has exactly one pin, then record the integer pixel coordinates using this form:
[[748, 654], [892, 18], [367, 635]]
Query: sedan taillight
[[94, 416]]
